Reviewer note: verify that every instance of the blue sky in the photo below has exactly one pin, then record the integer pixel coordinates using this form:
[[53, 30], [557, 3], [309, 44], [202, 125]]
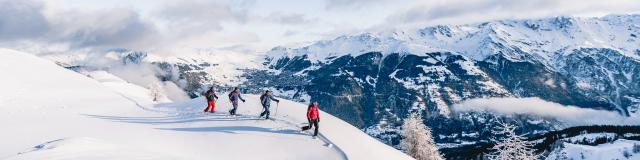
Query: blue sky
[[252, 26]]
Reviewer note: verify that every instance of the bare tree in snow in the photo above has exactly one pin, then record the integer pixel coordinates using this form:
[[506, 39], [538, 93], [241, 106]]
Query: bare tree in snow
[[417, 140], [512, 146], [156, 91]]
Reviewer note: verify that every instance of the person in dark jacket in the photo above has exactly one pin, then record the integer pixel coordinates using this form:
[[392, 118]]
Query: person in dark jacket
[[313, 116], [265, 100], [211, 97], [234, 97]]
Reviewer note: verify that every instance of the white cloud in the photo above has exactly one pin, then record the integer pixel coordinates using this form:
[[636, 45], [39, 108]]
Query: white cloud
[[118, 27], [115, 27], [430, 12], [154, 25], [197, 17], [535, 106], [21, 20], [347, 4], [144, 74], [288, 18]]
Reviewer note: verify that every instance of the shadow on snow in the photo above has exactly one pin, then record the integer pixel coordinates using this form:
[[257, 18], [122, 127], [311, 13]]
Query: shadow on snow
[[235, 129], [199, 117]]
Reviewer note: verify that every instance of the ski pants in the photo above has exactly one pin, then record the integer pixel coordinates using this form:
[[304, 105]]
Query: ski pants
[[266, 111], [210, 105], [314, 123], [235, 108]]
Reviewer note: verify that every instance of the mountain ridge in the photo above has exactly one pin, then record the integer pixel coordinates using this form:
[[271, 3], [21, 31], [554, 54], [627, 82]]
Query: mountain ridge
[[373, 80]]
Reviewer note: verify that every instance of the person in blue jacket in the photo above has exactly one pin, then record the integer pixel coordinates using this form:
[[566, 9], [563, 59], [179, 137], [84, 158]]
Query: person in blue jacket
[[265, 100]]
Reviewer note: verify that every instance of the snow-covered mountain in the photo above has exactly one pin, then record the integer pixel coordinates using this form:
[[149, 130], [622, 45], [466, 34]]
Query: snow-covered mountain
[[373, 80], [49, 112], [596, 56]]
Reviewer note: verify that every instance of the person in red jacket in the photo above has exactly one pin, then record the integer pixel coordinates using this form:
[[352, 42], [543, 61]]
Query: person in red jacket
[[313, 116], [211, 97]]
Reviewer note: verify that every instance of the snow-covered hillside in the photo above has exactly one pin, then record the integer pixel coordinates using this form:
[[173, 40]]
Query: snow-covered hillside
[[615, 149], [373, 80], [48, 112]]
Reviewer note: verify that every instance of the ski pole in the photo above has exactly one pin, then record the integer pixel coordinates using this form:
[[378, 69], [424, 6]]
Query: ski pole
[[277, 106]]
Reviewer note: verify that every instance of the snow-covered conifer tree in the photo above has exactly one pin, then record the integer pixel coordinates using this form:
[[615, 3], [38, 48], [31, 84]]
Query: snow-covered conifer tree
[[512, 146], [417, 140]]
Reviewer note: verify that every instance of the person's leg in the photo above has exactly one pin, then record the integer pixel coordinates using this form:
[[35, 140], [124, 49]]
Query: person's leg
[[235, 108], [208, 106], [308, 125], [315, 123], [267, 112], [264, 108]]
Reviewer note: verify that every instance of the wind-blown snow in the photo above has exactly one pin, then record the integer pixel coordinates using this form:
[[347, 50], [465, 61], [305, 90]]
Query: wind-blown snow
[[48, 112], [141, 95], [129, 66]]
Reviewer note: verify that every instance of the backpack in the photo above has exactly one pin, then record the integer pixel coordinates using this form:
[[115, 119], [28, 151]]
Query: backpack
[[209, 95], [264, 99], [232, 96]]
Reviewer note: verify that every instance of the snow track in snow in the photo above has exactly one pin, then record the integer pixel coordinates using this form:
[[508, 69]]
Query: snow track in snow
[[48, 112]]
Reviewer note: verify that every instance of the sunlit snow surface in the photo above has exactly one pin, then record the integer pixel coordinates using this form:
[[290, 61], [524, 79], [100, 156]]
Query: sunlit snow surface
[[48, 112]]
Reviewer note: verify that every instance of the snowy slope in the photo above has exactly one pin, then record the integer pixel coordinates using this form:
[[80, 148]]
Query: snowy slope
[[597, 146], [141, 95], [289, 117], [48, 112], [619, 149], [42, 102]]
